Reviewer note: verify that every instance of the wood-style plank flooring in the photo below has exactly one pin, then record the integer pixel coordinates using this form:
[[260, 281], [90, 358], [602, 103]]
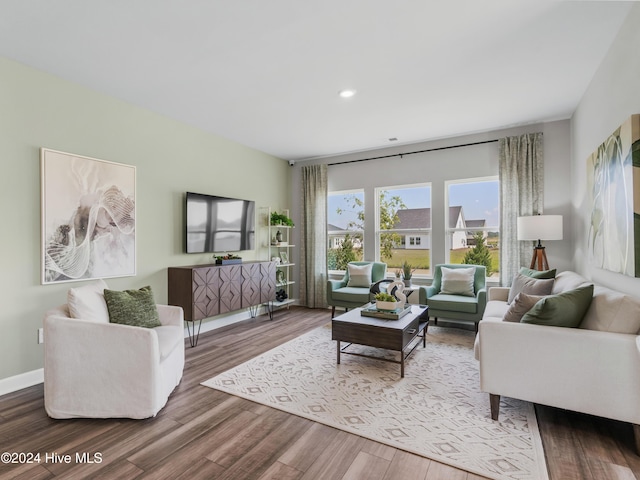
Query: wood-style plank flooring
[[206, 434]]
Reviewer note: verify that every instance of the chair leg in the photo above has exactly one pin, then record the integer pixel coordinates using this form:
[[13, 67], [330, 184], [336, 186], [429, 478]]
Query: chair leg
[[333, 311], [494, 402]]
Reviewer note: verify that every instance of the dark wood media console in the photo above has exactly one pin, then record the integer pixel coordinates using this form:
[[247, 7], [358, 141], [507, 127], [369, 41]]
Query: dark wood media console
[[207, 290]]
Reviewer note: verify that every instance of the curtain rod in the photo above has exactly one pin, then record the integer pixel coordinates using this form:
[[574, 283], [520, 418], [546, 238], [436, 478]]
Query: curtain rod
[[412, 153]]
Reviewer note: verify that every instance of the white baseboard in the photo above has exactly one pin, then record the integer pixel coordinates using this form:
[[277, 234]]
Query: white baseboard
[[24, 380], [34, 377], [215, 323]]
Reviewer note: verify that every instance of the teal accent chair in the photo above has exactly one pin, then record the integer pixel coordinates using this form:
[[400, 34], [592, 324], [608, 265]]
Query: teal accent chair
[[458, 307], [339, 295]]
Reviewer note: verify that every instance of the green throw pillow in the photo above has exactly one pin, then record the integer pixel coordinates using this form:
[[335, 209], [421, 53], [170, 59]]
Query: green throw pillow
[[566, 309], [538, 273], [132, 307]]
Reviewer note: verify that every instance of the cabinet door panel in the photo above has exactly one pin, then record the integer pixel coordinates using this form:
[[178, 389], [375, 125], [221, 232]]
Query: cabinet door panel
[[206, 288], [251, 284], [230, 288], [268, 281]]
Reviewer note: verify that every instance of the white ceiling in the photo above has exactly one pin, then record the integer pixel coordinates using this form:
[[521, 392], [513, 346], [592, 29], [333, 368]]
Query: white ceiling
[[266, 73]]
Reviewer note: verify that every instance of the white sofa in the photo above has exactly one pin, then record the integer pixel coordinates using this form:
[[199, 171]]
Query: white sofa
[[97, 369], [594, 369]]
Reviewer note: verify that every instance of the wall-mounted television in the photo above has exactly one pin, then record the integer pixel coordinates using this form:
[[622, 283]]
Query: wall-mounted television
[[219, 224]]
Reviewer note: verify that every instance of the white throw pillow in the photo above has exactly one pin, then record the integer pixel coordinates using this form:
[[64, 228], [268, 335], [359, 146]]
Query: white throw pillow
[[359, 275], [458, 281], [88, 303]]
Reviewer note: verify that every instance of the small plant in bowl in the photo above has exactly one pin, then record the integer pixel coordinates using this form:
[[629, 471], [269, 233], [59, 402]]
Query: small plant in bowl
[[386, 301]]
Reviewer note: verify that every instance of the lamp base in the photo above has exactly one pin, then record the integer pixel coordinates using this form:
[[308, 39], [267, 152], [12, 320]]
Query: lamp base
[[539, 258]]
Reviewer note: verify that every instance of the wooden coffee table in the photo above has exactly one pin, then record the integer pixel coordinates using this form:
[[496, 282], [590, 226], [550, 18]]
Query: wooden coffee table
[[396, 335]]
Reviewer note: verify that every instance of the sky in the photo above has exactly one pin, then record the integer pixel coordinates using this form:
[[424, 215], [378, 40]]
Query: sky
[[480, 200]]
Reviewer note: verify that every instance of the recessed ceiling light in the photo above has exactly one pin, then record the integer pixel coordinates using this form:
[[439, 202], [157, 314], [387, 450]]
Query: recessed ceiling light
[[347, 93]]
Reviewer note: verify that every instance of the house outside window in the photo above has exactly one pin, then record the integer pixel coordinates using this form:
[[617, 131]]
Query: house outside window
[[345, 228], [403, 227], [473, 223]]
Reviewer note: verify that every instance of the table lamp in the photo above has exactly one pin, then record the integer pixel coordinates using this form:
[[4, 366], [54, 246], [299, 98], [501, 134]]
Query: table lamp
[[540, 227]]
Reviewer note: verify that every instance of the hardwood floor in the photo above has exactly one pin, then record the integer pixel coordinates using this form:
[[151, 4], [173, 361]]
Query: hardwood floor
[[206, 434]]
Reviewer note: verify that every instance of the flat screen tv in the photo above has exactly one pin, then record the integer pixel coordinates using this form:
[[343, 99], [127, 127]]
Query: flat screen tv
[[219, 224]]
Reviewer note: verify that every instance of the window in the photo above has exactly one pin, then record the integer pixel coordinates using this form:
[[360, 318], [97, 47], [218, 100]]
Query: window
[[403, 227], [473, 223], [345, 228]]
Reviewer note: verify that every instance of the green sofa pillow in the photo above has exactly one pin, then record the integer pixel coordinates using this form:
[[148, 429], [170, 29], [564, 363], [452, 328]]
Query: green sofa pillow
[[538, 273], [136, 308], [567, 309]]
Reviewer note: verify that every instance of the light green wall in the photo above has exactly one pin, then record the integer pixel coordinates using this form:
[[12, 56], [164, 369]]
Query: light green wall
[[39, 110]]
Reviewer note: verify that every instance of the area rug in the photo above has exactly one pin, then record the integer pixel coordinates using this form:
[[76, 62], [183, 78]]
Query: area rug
[[436, 411]]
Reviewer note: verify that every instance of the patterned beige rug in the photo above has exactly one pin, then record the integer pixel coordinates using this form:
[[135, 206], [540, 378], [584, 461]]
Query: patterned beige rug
[[436, 411]]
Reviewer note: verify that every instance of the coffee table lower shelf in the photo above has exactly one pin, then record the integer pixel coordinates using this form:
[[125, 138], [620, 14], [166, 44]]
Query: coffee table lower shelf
[[398, 335], [403, 353]]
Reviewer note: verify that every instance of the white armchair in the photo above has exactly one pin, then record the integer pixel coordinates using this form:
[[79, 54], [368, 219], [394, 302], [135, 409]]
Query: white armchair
[[96, 369]]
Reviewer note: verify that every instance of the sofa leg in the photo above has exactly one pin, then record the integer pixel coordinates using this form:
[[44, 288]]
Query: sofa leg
[[435, 320], [494, 401], [636, 437]]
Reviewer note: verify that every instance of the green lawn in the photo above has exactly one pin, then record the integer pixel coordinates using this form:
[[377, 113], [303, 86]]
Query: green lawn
[[421, 260]]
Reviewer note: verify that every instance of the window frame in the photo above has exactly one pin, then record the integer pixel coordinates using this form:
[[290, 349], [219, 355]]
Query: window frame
[[449, 232]]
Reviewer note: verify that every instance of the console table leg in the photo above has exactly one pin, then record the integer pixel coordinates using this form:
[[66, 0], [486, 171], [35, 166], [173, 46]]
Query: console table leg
[[193, 336]]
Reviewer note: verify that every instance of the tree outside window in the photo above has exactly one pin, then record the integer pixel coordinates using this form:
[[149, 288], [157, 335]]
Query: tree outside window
[[345, 228], [404, 227]]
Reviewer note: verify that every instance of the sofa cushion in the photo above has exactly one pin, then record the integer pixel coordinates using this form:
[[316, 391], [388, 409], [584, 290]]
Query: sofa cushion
[[520, 305], [136, 308], [495, 309], [538, 273], [530, 286], [566, 309], [567, 281], [87, 302], [359, 275], [612, 311], [458, 281], [352, 295], [453, 303]]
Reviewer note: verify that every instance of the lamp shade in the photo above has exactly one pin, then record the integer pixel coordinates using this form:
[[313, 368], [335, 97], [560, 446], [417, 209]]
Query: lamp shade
[[540, 227]]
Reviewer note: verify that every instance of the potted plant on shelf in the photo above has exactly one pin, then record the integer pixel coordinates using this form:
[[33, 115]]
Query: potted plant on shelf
[[407, 273], [228, 259], [280, 219], [386, 301]]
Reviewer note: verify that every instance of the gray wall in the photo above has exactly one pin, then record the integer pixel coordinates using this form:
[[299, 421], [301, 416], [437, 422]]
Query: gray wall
[[613, 95], [457, 163], [39, 110]]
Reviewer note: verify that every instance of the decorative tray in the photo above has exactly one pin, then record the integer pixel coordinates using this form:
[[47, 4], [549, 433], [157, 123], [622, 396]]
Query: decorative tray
[[370, 310]]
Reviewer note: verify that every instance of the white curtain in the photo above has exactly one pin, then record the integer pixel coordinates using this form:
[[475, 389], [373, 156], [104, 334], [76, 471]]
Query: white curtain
[[521, 175], [313, 256]]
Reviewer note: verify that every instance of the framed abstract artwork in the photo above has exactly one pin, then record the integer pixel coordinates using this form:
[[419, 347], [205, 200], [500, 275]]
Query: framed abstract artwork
[[88, 218], [613, 186]]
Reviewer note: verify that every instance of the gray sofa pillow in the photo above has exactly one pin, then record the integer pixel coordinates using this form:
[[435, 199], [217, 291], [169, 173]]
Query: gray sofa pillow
[[530, 286]]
